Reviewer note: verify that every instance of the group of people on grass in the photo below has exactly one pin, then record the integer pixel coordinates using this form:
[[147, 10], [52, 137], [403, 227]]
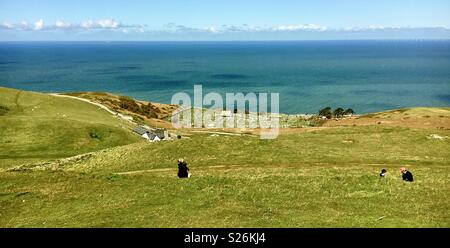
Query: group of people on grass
[[406, 175], [183, 171]]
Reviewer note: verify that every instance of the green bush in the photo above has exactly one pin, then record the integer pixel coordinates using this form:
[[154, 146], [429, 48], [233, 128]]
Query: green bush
[[326, 112], [349, 112], [131, 105], [3, 110], [93, 135], [339, 112]]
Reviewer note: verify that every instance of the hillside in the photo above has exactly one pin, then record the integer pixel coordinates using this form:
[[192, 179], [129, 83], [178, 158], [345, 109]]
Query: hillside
[[409, 117], [142, 111], [307, 177], [38, 127]]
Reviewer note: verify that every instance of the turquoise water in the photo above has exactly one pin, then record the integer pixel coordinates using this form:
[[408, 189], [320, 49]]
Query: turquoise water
[[367, 76]]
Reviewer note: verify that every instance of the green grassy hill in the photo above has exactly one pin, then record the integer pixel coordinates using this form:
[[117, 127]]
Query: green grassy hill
[[35, 127], [322, 178]]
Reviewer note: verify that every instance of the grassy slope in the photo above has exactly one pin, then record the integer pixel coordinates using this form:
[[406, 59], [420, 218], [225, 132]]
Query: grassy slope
[[248, 197], [40, 127], [324, 178]]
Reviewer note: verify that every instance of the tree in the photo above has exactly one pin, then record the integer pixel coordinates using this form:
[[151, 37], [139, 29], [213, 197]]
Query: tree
[[326, 112], [349, 112], [338, 112], [148, 111]]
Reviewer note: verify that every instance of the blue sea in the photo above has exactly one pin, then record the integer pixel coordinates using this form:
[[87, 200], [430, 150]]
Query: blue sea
[[367, 76]]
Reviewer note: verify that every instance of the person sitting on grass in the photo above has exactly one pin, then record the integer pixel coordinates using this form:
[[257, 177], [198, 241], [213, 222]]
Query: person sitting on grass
[[383, 173], [406, 175], [183, 170]]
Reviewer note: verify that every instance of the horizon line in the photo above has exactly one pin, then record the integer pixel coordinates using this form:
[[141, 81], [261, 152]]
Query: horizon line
[[243, 40]]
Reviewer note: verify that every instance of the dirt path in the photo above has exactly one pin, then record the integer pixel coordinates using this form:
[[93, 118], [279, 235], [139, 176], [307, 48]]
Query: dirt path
[[86, 100], [16, 101], [238, 167], [94, 103], [169, 169], [221, 133]]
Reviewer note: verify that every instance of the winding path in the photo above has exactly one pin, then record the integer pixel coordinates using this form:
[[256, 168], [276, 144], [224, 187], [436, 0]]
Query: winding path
[[88, 101], [96, 104]]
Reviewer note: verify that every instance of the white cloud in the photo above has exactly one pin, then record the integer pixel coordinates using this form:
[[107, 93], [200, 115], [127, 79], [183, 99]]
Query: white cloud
[[244, 28], [89, 24], [101, 24], [7, 25], [106, 24], [62, 24], [39, 25], [172, 28], [303, 27], [212, 30], [36, 26], [376, 27]]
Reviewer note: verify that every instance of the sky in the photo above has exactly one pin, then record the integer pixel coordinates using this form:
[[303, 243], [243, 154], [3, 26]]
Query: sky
[[111, 20]]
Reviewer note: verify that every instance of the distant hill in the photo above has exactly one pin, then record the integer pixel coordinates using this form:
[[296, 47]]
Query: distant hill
[[35, 126]]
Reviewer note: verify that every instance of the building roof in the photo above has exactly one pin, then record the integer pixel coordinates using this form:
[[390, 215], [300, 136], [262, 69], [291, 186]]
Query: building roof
[[140, 130], [152, 136], [151, 133], [159, 133]]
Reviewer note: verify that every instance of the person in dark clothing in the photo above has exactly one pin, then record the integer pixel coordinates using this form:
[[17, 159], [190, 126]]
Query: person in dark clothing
[[406, 175], [383, 173], [183, 170]]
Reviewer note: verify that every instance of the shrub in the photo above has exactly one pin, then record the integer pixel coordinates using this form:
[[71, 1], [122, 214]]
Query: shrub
[[338, 112], [148, 111], [3, 110], [93, 135], [326, 112], [316, 122], [131, 105], [349, 111]]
